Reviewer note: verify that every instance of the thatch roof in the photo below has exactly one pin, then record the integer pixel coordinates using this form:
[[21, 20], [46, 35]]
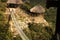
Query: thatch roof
[[37, 9], [14, 1]]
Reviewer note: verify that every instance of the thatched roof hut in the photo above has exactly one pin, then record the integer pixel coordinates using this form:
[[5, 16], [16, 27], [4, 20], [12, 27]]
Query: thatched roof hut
[[37, 9], [14, 1]]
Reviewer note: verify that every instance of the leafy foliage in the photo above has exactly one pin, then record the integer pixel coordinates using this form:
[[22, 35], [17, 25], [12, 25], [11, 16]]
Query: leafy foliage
[[3, 0], [3, 6], [4, 26], [39, 32]]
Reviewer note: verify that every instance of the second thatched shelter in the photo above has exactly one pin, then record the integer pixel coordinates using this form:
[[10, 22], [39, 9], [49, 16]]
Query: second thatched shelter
[[37, 9]]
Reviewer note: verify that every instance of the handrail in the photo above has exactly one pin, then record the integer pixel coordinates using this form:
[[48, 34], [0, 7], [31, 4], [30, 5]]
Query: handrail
[[16, 23]]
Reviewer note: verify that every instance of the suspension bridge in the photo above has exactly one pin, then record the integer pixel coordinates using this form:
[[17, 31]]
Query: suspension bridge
[[18, 24]]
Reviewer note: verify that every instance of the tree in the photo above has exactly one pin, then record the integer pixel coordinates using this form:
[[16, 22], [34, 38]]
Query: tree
[[3, 0]]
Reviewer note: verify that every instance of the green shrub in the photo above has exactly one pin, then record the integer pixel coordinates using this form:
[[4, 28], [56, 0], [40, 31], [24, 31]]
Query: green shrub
[[38, 32], [3, 0]]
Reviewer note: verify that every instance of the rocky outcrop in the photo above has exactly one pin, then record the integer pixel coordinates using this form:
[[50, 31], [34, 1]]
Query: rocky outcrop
[[30, 19], [24, 17]]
